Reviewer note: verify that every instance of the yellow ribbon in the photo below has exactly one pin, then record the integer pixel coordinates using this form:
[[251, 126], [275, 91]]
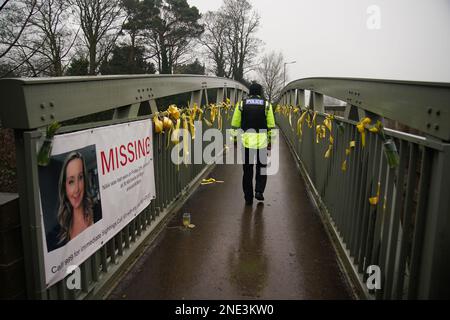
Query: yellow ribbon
[[321, 132], [174, 112], [344, 166], [328, 122], [377, 128], [278, 109], [175, 137], [374, 200], [308, 121], [159, 125], [362, 129], [300, 125], [328, 153], [314, 118], [348, 151], [210, 181]]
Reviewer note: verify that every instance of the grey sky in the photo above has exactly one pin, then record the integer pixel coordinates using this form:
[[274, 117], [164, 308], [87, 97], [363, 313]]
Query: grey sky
[[331, 37]]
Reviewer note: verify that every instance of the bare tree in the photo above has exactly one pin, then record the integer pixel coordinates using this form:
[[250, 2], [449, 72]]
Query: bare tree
[[56, 39], [214, 41], [14, 22], [101, 22], [242, 44], [270, 73]]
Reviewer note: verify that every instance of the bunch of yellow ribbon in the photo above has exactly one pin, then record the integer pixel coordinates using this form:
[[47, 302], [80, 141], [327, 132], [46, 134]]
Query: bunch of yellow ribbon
[[363, 125]]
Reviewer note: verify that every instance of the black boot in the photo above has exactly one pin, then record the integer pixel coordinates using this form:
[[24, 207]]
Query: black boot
[[259, 196]]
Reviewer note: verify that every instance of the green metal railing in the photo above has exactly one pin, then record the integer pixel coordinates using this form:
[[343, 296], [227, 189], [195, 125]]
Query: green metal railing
[[29, 105], [406, 233]]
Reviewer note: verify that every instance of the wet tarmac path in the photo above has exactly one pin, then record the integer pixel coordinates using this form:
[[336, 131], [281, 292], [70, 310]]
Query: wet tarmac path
[[273, 250]]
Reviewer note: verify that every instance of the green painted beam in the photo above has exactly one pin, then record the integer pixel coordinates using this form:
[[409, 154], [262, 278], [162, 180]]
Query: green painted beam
[[30, 103], [424, 106]]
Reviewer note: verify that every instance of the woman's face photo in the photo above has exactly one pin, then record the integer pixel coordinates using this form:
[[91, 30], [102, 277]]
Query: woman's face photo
[[75, 183]]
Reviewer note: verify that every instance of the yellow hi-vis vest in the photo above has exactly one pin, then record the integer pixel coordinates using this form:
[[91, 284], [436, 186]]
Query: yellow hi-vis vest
[[254, 140]]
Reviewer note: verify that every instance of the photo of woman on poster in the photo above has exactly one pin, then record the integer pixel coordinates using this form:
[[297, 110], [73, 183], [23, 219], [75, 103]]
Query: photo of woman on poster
[[75, 212], [70, 195]]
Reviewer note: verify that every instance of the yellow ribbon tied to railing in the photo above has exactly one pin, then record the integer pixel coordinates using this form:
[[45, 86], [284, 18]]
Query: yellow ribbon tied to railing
[[308, 120], [328, 153], [278, 109], [328, 124], [374, 200], [300, 125], [348, 151], [174, 112], [175, 136], [321, 132], [167, 124], [314, 119], [362, 129], [159, 125], [344, 165]]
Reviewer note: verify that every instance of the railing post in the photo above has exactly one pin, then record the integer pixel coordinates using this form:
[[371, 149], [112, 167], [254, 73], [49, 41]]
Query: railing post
[[240, 95], [292, 97], [206, 97], [434, 276], [220, 96], [351, 112], [30, 215], [288, 98], [153, 106], [300, 101], [232, 93], [317, 102], [196, 97], [127, 112]]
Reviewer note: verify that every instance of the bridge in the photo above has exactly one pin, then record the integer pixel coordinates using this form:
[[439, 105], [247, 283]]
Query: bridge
[[359, 207]]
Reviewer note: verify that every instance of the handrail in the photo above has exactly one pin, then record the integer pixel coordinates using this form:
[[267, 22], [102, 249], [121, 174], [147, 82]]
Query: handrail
[[390, 215], [424, 106], [30, 103]]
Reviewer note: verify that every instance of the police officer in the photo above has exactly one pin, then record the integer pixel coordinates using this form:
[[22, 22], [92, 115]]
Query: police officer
[[254, 116]]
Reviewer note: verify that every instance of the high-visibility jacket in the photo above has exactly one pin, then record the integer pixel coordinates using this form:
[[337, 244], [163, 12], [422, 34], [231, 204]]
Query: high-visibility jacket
[[254, 114]]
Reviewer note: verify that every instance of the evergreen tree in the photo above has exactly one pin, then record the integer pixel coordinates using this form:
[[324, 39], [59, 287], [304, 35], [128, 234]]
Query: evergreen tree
[[127, 60]]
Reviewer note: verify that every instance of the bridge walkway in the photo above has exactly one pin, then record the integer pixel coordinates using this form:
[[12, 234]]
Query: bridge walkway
[[278, 249]]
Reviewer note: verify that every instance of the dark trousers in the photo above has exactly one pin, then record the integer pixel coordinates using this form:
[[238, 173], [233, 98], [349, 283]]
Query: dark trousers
[[250, 155]]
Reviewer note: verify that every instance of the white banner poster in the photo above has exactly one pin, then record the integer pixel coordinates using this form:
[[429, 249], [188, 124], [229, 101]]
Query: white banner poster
[[97, 182]]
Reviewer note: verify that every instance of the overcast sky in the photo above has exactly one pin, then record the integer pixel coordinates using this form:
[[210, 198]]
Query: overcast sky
[[396, 39]]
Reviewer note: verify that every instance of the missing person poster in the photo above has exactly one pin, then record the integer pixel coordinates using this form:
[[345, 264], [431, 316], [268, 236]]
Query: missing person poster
[[96, 183]]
